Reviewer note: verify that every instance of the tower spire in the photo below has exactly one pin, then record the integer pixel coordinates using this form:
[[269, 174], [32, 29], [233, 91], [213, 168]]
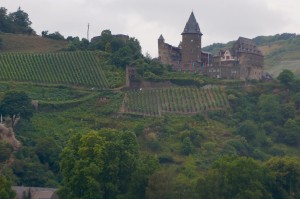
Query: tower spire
[[192, 26]]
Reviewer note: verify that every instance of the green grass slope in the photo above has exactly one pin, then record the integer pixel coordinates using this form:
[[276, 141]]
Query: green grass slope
[[175, 100], [69, 68]]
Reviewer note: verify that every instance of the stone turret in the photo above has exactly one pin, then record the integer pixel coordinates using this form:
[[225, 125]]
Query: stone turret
[[161, 39], [191, 42]]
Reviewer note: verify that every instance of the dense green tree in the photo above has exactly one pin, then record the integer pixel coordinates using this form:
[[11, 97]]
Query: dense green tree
[[16, 105], [56, 35], [98, 164], [235, 178], [48, 152], [286, 77], [146, 166], [291, 132], [270, 108], [161, 185], [287, 174], [21, 22], [6, 191], [5, 21], [6, 150], [30, 172], [251, 131]]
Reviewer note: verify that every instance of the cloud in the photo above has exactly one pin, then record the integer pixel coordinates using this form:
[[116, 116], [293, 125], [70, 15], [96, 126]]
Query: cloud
[[219, 20]]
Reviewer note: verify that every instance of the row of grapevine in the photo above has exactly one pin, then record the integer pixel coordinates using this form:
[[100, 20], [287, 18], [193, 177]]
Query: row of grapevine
[[71, 68], [181, 100]]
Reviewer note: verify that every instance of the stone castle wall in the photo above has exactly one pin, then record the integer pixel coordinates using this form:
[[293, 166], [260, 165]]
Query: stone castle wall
[[168, 54]]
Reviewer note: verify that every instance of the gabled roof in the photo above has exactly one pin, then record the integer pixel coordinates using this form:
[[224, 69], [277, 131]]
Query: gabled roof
[[192, 26]]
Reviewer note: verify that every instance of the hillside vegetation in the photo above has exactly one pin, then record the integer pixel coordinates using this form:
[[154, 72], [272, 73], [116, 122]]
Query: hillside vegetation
[[30, 44], [176, 100], [70, 68], [188, 136]]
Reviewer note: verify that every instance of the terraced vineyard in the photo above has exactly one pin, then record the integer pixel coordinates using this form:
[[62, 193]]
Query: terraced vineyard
[[179, 100], [70, 68]]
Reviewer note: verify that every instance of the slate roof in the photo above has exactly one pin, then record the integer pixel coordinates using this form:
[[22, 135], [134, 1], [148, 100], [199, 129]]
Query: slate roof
[[192, 26], [161, 37]]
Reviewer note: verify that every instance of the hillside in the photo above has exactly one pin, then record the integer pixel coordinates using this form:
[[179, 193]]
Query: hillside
[[68, 68], [281, 51], [180, 125], [30, 43]]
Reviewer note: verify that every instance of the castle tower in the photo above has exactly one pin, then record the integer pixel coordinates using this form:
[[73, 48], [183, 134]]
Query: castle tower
[[161, 42], [191, 42]]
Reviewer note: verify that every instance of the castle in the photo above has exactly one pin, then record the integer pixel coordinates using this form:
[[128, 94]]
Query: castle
[[242, 61]]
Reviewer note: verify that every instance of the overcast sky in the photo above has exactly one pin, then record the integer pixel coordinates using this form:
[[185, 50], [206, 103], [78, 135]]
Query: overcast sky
[[219, 20]]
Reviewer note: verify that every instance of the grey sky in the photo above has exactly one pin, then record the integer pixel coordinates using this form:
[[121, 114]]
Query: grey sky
[[219, 20]]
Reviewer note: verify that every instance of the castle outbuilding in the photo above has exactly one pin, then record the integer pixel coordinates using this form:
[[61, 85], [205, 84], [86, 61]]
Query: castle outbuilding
[[243, 61]]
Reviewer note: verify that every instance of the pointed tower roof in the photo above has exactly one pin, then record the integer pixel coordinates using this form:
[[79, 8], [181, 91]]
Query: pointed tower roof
[[161, 37], [192, 26]]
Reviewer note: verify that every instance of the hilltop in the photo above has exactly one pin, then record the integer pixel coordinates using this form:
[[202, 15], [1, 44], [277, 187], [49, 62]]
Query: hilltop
[[281, 51], [30, 43]]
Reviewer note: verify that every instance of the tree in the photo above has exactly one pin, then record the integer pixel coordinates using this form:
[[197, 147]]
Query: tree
[[286, 77], [270, 108], [290, 134], [16, 105], [5, 21], [287, 174], [6, 150], [187, 146], [146, 166], [6, 191], [21, 22], [235, 178], [98, 165], [251, 131]]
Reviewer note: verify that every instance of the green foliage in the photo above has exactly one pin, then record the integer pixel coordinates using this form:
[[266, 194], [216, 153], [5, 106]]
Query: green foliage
[[76, 44], [5, 151], [290, 134], [16, 22], [146, 166], [286, 77], [287, 177], [252, 132], [168, 185], [56, 35], [98, 164], [6, 191], [234, 178], [187, 146], [270, 108], [48, 152], [16, 105]]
